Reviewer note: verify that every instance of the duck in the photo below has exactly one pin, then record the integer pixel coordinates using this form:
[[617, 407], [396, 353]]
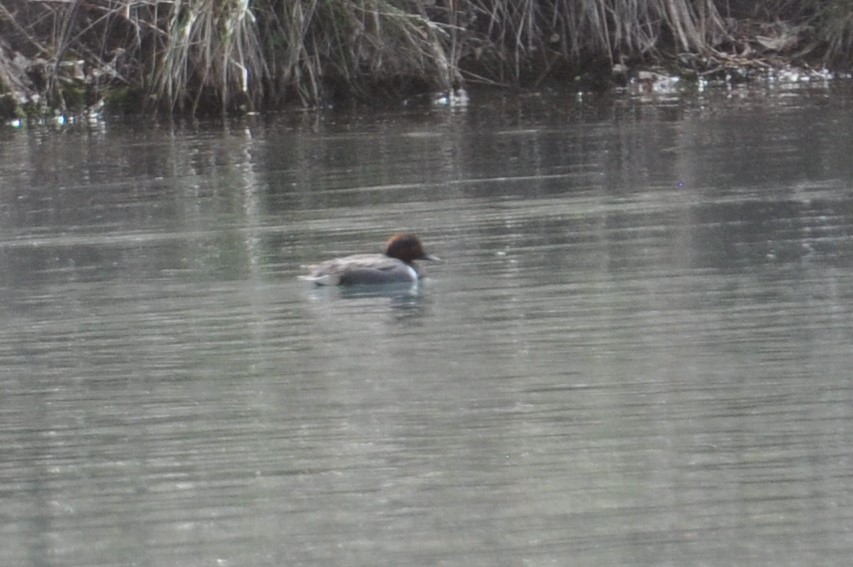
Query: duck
[[395, 266]]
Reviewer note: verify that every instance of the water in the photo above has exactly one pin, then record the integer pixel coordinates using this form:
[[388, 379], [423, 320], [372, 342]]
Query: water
[[635, 352]]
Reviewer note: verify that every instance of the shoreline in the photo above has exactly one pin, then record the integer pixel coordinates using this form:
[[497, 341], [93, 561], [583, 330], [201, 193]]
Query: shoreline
[[418, 54]]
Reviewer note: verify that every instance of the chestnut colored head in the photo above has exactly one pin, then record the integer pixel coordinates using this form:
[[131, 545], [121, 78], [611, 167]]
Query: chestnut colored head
[[407, 248]]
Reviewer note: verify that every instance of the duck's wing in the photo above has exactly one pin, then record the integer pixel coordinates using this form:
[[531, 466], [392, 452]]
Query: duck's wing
[[361, 269], [379, 276]]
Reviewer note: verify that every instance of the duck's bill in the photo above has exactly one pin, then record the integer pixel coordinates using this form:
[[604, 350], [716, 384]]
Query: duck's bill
[[431, 258]]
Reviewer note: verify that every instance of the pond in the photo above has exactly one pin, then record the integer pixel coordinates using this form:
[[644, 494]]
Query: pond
[[635, 351]]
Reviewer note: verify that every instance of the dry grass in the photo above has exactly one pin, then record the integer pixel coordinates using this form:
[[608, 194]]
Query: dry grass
[[538, 32], [320, 44], [837, 30], [209, 48], [189, 55]]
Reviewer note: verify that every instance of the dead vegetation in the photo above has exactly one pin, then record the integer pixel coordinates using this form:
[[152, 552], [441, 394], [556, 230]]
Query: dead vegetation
[[203, 55]]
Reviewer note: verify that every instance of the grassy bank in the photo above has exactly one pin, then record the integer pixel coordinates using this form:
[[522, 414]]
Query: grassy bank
[[209, 55]]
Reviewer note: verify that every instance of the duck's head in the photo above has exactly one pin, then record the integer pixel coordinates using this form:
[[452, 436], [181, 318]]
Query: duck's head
[[407, 247]]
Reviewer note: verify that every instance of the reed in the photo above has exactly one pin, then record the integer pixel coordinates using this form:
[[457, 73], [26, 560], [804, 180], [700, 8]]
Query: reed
[[323, 47], [208, 48], [823, 28], [835, 25], [538, 33], [194, 55]]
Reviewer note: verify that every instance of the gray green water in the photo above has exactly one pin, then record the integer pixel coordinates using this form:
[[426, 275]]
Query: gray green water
[[637, 350]]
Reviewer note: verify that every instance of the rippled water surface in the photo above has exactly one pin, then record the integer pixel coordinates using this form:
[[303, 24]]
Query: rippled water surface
[[636, 351]]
